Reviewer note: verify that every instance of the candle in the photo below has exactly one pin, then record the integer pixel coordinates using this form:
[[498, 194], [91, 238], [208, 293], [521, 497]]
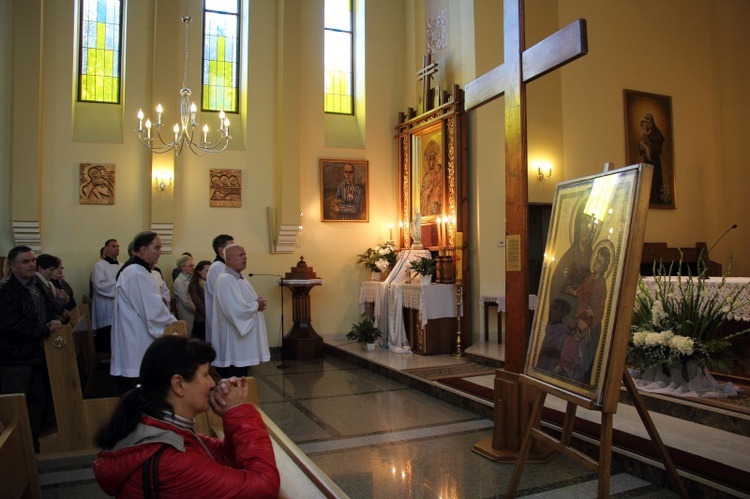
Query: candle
[[148, 128], [193, 109], [205, 134], [458, 264], [159, 110], [140, 120], [176, 132], [439, 234], [390, 231]]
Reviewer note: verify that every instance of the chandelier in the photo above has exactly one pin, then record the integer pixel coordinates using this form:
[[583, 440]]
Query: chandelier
[[184, 133]]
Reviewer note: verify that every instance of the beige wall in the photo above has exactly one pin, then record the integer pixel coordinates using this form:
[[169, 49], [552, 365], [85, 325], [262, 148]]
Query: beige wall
[[575, 119]]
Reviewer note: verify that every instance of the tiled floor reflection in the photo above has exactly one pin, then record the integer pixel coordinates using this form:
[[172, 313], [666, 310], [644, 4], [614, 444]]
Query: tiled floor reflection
[[377, 438]]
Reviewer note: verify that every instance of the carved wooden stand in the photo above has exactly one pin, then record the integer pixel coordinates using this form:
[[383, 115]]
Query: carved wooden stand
[[302, 342]]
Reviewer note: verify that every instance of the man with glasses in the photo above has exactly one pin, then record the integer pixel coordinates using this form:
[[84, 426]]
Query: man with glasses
[[348, 201]]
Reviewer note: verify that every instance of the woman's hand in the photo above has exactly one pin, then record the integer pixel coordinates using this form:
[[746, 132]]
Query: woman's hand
[[227, 394]]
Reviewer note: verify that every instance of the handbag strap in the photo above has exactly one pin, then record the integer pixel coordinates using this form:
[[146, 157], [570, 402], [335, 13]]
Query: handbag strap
[[150, 480]]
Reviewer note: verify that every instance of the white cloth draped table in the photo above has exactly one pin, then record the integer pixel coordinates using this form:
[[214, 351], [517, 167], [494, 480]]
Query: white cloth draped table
[[731, 286]]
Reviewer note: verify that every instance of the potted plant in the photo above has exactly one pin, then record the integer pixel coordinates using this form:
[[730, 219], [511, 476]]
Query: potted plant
[[379, 260], [364, 332], [425, 267]]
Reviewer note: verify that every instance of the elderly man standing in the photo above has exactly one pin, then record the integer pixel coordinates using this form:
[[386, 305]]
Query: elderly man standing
[[140, 314], [27, 317], [239, 328], [219, 243], [103, 280]]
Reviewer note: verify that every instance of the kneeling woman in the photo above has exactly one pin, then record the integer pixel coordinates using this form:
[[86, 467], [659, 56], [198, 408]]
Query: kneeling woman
[[150, 448]]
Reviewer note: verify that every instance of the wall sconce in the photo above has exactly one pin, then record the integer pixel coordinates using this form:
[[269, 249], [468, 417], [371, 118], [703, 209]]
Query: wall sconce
[[163, 183], [544, 170]]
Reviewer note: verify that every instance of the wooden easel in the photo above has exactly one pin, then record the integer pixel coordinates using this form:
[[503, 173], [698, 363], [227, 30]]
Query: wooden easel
[[614, 373], [563, 445]]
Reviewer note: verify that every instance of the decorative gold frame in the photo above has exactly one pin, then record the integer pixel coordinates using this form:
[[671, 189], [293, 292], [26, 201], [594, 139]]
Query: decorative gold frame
[[445, 126], [582, 348]]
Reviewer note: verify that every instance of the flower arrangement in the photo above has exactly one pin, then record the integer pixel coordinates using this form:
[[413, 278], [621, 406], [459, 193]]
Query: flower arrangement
[[671, 329], [380, 258]]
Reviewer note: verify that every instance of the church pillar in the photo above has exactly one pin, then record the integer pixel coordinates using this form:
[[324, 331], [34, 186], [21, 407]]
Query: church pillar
[[26, 131]]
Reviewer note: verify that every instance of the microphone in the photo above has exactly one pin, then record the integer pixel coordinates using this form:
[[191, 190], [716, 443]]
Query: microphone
[[722, 237]]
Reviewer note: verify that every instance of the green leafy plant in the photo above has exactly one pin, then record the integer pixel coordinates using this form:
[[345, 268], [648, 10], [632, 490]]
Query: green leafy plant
[[364, 332], [424, 266], [670, 329]]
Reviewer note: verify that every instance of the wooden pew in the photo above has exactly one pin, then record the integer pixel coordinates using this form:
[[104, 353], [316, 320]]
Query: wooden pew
[[78, 419], [300, 476], [19, 476]]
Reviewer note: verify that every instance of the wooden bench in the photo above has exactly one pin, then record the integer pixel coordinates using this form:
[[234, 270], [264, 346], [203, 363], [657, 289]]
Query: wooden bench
[[681, 260], [18, 469]]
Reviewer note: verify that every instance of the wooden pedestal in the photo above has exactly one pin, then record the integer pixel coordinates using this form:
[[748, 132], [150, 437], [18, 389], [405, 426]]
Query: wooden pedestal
[[302, 342]]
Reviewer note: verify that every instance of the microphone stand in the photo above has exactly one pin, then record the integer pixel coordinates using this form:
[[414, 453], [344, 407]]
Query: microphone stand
[[281, 332]]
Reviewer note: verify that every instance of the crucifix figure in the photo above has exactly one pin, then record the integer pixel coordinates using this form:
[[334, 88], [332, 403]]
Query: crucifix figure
[[425, 74], [520, 66]]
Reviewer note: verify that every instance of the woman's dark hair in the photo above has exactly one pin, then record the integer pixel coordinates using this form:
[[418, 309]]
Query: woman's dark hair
[[167, 356], [195, 279], [45, 261]]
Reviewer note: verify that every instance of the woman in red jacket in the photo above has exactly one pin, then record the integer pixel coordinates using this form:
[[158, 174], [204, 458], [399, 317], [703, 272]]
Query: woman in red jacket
[[151, 450]]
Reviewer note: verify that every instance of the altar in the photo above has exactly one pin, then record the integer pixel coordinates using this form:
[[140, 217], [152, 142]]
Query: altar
[[713, 286], [412, 317]]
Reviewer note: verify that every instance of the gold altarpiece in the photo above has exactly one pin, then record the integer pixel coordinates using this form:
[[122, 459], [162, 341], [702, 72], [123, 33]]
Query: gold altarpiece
[[433, 173]]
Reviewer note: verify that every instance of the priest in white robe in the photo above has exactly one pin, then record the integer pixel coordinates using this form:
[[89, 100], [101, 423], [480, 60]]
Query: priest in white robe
[[140, 314], [217, 267], [239, 328], [103, 279]]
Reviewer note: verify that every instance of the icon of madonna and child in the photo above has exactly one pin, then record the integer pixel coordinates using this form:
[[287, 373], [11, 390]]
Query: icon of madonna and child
[[578, 296]]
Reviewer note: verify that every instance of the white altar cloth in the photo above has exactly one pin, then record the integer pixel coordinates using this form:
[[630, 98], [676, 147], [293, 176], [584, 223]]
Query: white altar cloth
[[731, 286]]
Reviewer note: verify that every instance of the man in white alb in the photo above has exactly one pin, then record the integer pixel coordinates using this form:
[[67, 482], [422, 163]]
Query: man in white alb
[[219, 243], [140, 314], [103, 280], [239, 328]]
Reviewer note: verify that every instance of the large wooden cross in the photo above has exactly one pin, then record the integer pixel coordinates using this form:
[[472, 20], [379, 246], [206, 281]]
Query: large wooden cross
[[519, 67]]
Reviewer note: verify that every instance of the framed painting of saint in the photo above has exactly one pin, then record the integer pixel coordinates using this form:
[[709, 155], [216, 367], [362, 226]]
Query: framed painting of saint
[[648, 139], [590, 239], [344, 188]]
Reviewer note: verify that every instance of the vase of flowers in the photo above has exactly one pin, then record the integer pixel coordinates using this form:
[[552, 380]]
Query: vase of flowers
[[677, 325], [379, 260]]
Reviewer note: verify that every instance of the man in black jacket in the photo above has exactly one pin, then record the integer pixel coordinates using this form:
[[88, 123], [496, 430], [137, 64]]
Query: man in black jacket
[[27, 316]]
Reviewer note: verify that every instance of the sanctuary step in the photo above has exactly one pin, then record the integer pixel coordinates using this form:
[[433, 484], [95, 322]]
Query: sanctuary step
[[686, 425]]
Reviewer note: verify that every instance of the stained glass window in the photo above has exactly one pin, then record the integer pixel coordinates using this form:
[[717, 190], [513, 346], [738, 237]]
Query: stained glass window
[[100, 41], [339, 84], [221, 40]]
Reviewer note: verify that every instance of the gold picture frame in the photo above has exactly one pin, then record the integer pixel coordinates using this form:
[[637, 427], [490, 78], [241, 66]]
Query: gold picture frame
[[581, 327]]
